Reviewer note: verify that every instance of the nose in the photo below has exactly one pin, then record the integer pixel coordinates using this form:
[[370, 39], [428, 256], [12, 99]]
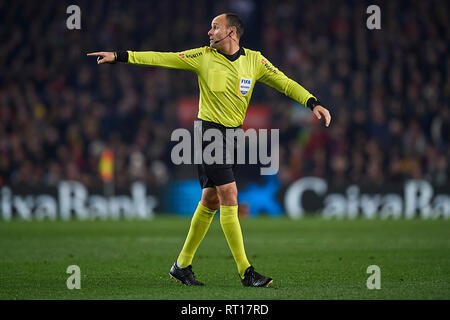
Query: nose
[[210, 32]]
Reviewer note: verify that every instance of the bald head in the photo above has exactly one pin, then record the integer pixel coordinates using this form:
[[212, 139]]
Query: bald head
[[224, 28]]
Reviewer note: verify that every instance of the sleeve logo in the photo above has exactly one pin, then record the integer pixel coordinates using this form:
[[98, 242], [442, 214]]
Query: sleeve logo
[[268, 67], [194, 55]]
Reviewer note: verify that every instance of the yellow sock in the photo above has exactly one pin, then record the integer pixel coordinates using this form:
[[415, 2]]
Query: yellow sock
[[232, 229], [199, 226]]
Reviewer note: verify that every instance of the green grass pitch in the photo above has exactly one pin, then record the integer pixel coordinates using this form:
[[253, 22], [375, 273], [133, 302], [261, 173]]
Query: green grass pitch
[[311, 258]]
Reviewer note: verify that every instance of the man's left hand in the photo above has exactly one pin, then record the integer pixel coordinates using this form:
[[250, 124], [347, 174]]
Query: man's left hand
[[319, 111]]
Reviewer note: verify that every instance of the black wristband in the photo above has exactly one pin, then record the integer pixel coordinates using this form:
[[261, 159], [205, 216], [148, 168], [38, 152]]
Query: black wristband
[[122, 56], [312, 102]]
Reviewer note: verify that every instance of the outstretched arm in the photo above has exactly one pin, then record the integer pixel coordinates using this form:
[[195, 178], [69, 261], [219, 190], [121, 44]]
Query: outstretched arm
[[273, 77], [185, 60]]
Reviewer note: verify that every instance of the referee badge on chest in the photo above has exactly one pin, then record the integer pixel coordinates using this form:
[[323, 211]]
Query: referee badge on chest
[[245, 84]]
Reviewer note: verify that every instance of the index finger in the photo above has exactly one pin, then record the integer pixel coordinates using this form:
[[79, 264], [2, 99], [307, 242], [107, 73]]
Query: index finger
[[94, 54]]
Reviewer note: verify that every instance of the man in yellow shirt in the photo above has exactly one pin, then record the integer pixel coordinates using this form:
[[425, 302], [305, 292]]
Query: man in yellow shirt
[[227, 73]]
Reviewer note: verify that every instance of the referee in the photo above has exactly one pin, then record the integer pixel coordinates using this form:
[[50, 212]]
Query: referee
[[227, 73]]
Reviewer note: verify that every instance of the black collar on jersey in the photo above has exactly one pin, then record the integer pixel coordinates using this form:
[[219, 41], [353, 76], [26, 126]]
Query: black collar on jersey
[[233, 56]]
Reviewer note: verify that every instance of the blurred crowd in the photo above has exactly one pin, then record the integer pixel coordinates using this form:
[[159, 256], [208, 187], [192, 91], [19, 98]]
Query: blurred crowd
[[387, 90]]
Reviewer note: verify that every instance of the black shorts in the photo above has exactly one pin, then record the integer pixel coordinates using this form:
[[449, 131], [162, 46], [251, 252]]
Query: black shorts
[[216, 174]]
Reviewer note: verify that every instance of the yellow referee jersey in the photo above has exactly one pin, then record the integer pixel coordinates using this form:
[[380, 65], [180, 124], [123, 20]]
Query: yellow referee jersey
[[226, 85]]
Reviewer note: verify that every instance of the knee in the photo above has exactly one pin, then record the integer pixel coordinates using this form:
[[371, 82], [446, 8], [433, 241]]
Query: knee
[[211, 201], [228, 196], [211, 204], [229, 200]]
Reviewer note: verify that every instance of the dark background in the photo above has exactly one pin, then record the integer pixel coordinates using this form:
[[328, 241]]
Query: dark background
[[387, 90]]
